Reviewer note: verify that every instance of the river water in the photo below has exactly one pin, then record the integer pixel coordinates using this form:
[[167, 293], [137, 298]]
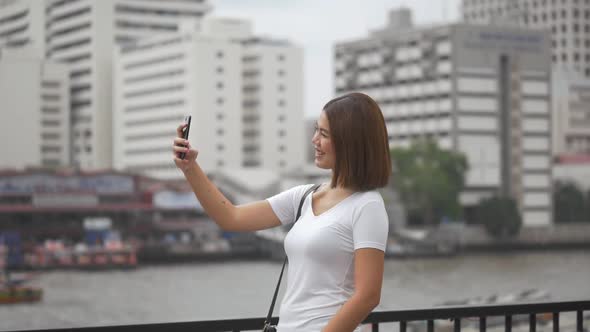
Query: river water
[[224, 290]]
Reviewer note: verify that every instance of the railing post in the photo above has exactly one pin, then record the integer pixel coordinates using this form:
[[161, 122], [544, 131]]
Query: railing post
[[375, 327], [508, 323], [556, 322], [580, 321], [457, 325], [532, 322], [482, 324], [402, 326], [430, 325]]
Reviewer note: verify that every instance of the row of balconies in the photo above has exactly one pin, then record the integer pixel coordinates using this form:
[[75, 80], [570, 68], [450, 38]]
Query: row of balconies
[[13, 12]]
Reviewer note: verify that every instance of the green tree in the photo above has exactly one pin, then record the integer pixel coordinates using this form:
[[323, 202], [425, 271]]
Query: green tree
[[429, 180], [500, 216], [570, 205]]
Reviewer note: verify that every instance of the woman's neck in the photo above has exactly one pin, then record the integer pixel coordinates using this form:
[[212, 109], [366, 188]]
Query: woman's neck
[[338, 190]]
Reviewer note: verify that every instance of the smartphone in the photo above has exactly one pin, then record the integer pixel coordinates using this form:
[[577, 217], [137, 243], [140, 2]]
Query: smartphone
[[185, 130]]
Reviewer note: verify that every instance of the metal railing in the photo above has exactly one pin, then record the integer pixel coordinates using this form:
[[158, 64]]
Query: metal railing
[[402, 317]]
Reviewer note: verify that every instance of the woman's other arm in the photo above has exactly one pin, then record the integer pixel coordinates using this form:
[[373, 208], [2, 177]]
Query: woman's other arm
[[368, 278], [247, 217]]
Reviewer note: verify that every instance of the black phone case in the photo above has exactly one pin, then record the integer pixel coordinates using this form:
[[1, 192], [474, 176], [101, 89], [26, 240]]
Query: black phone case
[[187, 120]]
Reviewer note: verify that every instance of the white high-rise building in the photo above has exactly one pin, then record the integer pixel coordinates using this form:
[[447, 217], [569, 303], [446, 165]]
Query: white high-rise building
[[567, 20], [157, 81], [83, 34], [480, 90], [571, 113], [244, 94], [34, 105]]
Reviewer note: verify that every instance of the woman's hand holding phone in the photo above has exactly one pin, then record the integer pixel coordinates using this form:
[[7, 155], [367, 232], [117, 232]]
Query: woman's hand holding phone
[[184, 154]]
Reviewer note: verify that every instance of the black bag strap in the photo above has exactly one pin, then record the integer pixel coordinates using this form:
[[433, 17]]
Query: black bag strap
[[274, 297]]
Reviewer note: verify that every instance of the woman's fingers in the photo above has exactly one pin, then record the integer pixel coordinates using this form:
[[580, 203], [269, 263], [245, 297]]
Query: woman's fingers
[[179, 130], [179, 148], [180, 141]]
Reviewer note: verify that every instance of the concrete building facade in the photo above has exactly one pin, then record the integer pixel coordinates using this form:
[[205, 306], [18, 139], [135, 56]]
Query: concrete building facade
[[83, 33], [571, 113], [480, 90], [567, 20], [34, 103], [272, 104], [22, 23]]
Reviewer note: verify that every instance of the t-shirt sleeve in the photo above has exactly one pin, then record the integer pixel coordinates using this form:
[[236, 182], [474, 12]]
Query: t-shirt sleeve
[[370, 226], [286, 203]]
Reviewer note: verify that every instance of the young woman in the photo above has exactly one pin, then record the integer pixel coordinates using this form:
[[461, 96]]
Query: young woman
[[336, 248]]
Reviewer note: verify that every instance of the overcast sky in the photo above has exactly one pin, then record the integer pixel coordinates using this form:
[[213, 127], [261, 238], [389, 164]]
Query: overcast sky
[[317, 24]]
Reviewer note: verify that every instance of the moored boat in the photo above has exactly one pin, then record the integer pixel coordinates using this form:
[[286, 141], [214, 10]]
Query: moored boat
[[20, 294]]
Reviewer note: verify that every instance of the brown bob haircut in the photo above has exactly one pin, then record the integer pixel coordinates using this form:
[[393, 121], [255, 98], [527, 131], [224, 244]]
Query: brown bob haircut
[[361, 144]]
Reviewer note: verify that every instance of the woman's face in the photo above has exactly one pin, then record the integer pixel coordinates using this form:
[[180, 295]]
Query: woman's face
[[324, 151]]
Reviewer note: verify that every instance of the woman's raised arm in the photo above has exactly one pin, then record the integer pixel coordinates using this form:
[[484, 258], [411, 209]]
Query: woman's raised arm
[[247, 217]]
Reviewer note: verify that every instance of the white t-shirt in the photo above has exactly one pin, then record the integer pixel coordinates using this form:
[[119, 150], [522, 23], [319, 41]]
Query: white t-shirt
[[320, 250]]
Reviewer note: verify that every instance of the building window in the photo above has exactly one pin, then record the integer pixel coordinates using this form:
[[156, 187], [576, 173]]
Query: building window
[[282, 163], [282, 133], [220, 147], [219, 116], [220, 70], [563, 57], [219, 54], [281, 57], [282, 102], [282, 148], [220, 131], [576, 57], [220, 85], [50, 149], [281, 73], [281, 87], [281, 118], [220, 101], [220, 163]]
